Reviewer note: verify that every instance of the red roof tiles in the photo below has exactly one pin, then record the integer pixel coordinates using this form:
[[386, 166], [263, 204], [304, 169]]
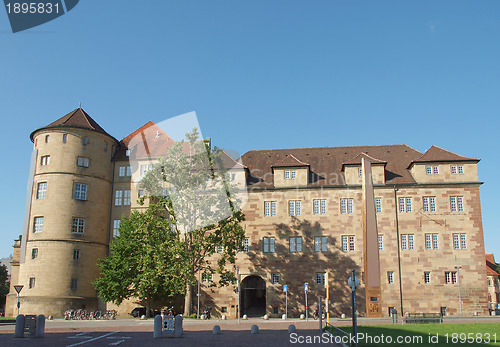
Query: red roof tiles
[[437, 154], [491, 267]]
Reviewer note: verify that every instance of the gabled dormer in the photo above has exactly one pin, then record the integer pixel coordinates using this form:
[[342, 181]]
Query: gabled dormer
[[353, 173], [290, 172], [439, 165]]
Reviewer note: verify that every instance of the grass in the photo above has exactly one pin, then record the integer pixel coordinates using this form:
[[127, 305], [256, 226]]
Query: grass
[[7, 318], [429, 334]]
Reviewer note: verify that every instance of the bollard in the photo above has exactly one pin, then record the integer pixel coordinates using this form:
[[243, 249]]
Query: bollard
[[255, 329], [178, 326], [245, 317], [302, 316], [19, 332], [224, 317], [266, 317], [158, 327], [40, 326], [283, 316], [216, 330], [291, 329]]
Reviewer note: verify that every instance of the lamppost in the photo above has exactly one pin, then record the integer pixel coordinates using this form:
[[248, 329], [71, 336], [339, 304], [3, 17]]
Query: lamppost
[[459, 292], [199, 278]]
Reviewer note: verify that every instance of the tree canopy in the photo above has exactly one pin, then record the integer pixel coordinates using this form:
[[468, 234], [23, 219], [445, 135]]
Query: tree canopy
[[4, 284]]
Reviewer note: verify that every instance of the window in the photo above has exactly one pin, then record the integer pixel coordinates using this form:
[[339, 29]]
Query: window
[[346, 206], [428, 170], [65, 138], [128, 171], [320, 244], [76, 254], [407, 242], [32, 282], [435, 170], [121, 171], [81, 161], [381, 242], [246, 245], [360, 172], [269, 208], [140, 193], [34, 253], [290, 175], [275, 278], [127, 152], [431, 241], [78, 225], [319, 206], [295, 244], [46, 138], [80, 191], [85, 140], [348, 243], [268, 244], [429, 203], [116, 227], [378, 205], [405, 205], [45, 160], [459, 241], [145, 168], [126, 197], [38, 224], [320, 278], [206, 278], [460, 170], [41, 191], [450, 277], [390, 277], [294, 208], [74, 284], [427, 277], [105, 147], [456, 203], [118, 197]]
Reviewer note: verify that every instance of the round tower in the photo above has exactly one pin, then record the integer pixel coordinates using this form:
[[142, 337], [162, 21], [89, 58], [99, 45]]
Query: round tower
[[68, 223]]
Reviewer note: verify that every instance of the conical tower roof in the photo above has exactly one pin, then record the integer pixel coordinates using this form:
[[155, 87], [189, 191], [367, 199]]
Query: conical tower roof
[[77, 118]]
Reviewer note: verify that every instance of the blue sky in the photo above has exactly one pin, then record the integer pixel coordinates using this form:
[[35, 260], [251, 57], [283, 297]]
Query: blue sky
[[259, 75]]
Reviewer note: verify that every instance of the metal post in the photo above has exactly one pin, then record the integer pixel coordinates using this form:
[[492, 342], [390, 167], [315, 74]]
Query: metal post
[[239, 293], [18, 304], [286, 304], [459, 292], [327, 299], [307, 309], [354, 318], [320, 313], [199, 278]]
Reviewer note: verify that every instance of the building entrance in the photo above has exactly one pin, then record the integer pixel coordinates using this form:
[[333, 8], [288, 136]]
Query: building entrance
[[253, 296]]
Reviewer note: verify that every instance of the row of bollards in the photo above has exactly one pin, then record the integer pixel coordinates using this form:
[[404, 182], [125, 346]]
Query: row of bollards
[[32, 324], [254, 329]]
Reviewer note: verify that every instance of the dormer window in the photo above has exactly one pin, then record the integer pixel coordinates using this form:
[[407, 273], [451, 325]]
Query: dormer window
[[85, 140], [290, 174], [157, 133], [432, 170], [127, 152], [457, 169]]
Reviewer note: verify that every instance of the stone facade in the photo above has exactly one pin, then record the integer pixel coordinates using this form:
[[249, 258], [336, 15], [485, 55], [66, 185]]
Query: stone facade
[[303, 219]]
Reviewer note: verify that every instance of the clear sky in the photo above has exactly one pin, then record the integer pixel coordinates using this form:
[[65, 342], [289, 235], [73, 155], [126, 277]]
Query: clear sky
[[260, 75]]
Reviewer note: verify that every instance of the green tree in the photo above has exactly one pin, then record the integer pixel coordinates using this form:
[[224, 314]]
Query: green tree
[[4, 284], [142, 260], [203, 210]]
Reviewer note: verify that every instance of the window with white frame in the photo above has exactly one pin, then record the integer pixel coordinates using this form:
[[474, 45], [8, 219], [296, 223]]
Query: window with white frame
[[116, 227], [246, 245], [407, 242], [390, 277], [31, 283], [269, 208], [381, 242], [450, 277], [459, 241], [295, 244], [128, 171], [294, 208], [432, 170], [320, 278], [290, 174], [275, 278], [45, 160], [80, 191], [319, 206], [78, 225], [76, 254], [74, 284], [83, 162], [145, 168], [140, 193], [268, 244], [206, 278], [126, 197], [457, 203], [34, 253], [428, 170], [127, 152], [429, 203], [460, 169], [320, 244], [348, 243], [118, 197], [405, 205], [346, 206], [41, 191], [431, 241], [378, 205], [38, 224], [121, 171], [427, 277]]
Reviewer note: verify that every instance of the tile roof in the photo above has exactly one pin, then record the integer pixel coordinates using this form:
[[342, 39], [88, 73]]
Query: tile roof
[[77, 118], [326, 163], [289, 161], [436, 153], [357, 160], [491, 268]]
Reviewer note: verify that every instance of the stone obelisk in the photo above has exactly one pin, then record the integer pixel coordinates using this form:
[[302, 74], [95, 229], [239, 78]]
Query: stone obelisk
[[370, 245]]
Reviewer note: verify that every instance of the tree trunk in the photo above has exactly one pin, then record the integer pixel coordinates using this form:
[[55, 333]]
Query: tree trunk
[[188, 299], [148, 308]]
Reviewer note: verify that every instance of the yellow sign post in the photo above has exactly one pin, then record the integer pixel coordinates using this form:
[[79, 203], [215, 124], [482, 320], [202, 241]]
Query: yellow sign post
[[327, 303]]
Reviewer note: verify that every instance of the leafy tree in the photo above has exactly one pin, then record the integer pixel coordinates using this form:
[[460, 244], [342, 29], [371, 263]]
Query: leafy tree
[[4, 284], [190, 183], [142, 259]]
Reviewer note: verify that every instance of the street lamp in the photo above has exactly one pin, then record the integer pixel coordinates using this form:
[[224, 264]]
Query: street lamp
[[459, 293]]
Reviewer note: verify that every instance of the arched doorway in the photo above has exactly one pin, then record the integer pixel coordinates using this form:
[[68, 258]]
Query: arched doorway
[[253, 296]]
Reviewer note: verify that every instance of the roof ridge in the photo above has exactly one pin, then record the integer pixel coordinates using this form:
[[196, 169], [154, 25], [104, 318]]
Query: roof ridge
[[325, 147]]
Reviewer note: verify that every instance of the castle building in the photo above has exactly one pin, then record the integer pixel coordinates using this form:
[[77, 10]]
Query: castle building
[[303, 221], [493, 283]]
